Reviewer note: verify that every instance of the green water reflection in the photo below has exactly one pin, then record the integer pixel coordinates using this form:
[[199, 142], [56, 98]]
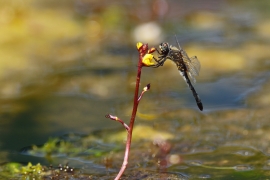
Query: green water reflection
[[65, 64]]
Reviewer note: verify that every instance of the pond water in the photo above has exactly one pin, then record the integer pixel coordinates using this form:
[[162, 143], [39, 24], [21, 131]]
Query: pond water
[[65, 65]]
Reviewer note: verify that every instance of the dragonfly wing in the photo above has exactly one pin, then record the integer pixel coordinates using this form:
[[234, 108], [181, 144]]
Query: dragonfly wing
[[189, 76], [193, 79], [193, 64]]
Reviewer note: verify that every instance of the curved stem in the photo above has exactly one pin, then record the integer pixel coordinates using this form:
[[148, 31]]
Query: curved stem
[[132, 120]]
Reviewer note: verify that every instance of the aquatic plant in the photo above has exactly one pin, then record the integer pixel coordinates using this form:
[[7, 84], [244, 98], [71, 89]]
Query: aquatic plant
[[145, 59]]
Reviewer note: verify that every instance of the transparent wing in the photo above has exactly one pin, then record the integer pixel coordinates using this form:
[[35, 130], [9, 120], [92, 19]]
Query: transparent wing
[[193, 65], [191, 77]]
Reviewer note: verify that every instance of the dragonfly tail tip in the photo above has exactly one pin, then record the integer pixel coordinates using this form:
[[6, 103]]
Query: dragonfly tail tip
[[200, 106]]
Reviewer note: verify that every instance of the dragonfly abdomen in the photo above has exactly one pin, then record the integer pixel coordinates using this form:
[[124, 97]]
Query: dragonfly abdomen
[[196, 96]]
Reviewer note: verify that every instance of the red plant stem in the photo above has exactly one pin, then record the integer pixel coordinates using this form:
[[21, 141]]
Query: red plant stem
[[132, 119], [114, 118]]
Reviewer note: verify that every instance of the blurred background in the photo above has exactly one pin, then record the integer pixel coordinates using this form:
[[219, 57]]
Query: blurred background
[[65, 64]]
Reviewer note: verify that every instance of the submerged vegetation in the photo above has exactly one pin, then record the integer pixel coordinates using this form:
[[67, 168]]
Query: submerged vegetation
[[37, 172]]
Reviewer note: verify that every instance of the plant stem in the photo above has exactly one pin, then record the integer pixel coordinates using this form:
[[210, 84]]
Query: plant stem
[[132, 119]]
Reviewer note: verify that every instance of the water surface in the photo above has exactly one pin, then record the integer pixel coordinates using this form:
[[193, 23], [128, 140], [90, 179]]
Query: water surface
[[65, 65]]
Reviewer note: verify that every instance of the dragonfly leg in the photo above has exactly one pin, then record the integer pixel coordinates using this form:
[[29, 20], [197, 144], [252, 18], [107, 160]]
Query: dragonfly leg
[[161, 59], [156, 60], [158, 51], [160, 62]]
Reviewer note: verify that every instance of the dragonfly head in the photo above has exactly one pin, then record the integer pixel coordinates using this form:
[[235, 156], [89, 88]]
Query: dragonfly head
[[164, 48]]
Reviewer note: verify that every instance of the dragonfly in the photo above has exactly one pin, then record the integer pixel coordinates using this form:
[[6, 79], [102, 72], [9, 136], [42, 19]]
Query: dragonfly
[[188, 67]]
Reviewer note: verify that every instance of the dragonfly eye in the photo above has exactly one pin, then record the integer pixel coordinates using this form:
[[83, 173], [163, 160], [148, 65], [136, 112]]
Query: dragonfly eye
[[164, 48]]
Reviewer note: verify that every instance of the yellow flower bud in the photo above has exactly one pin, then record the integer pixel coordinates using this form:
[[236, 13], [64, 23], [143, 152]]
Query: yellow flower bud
[[151, 50], [139, 45], [148, 60]]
